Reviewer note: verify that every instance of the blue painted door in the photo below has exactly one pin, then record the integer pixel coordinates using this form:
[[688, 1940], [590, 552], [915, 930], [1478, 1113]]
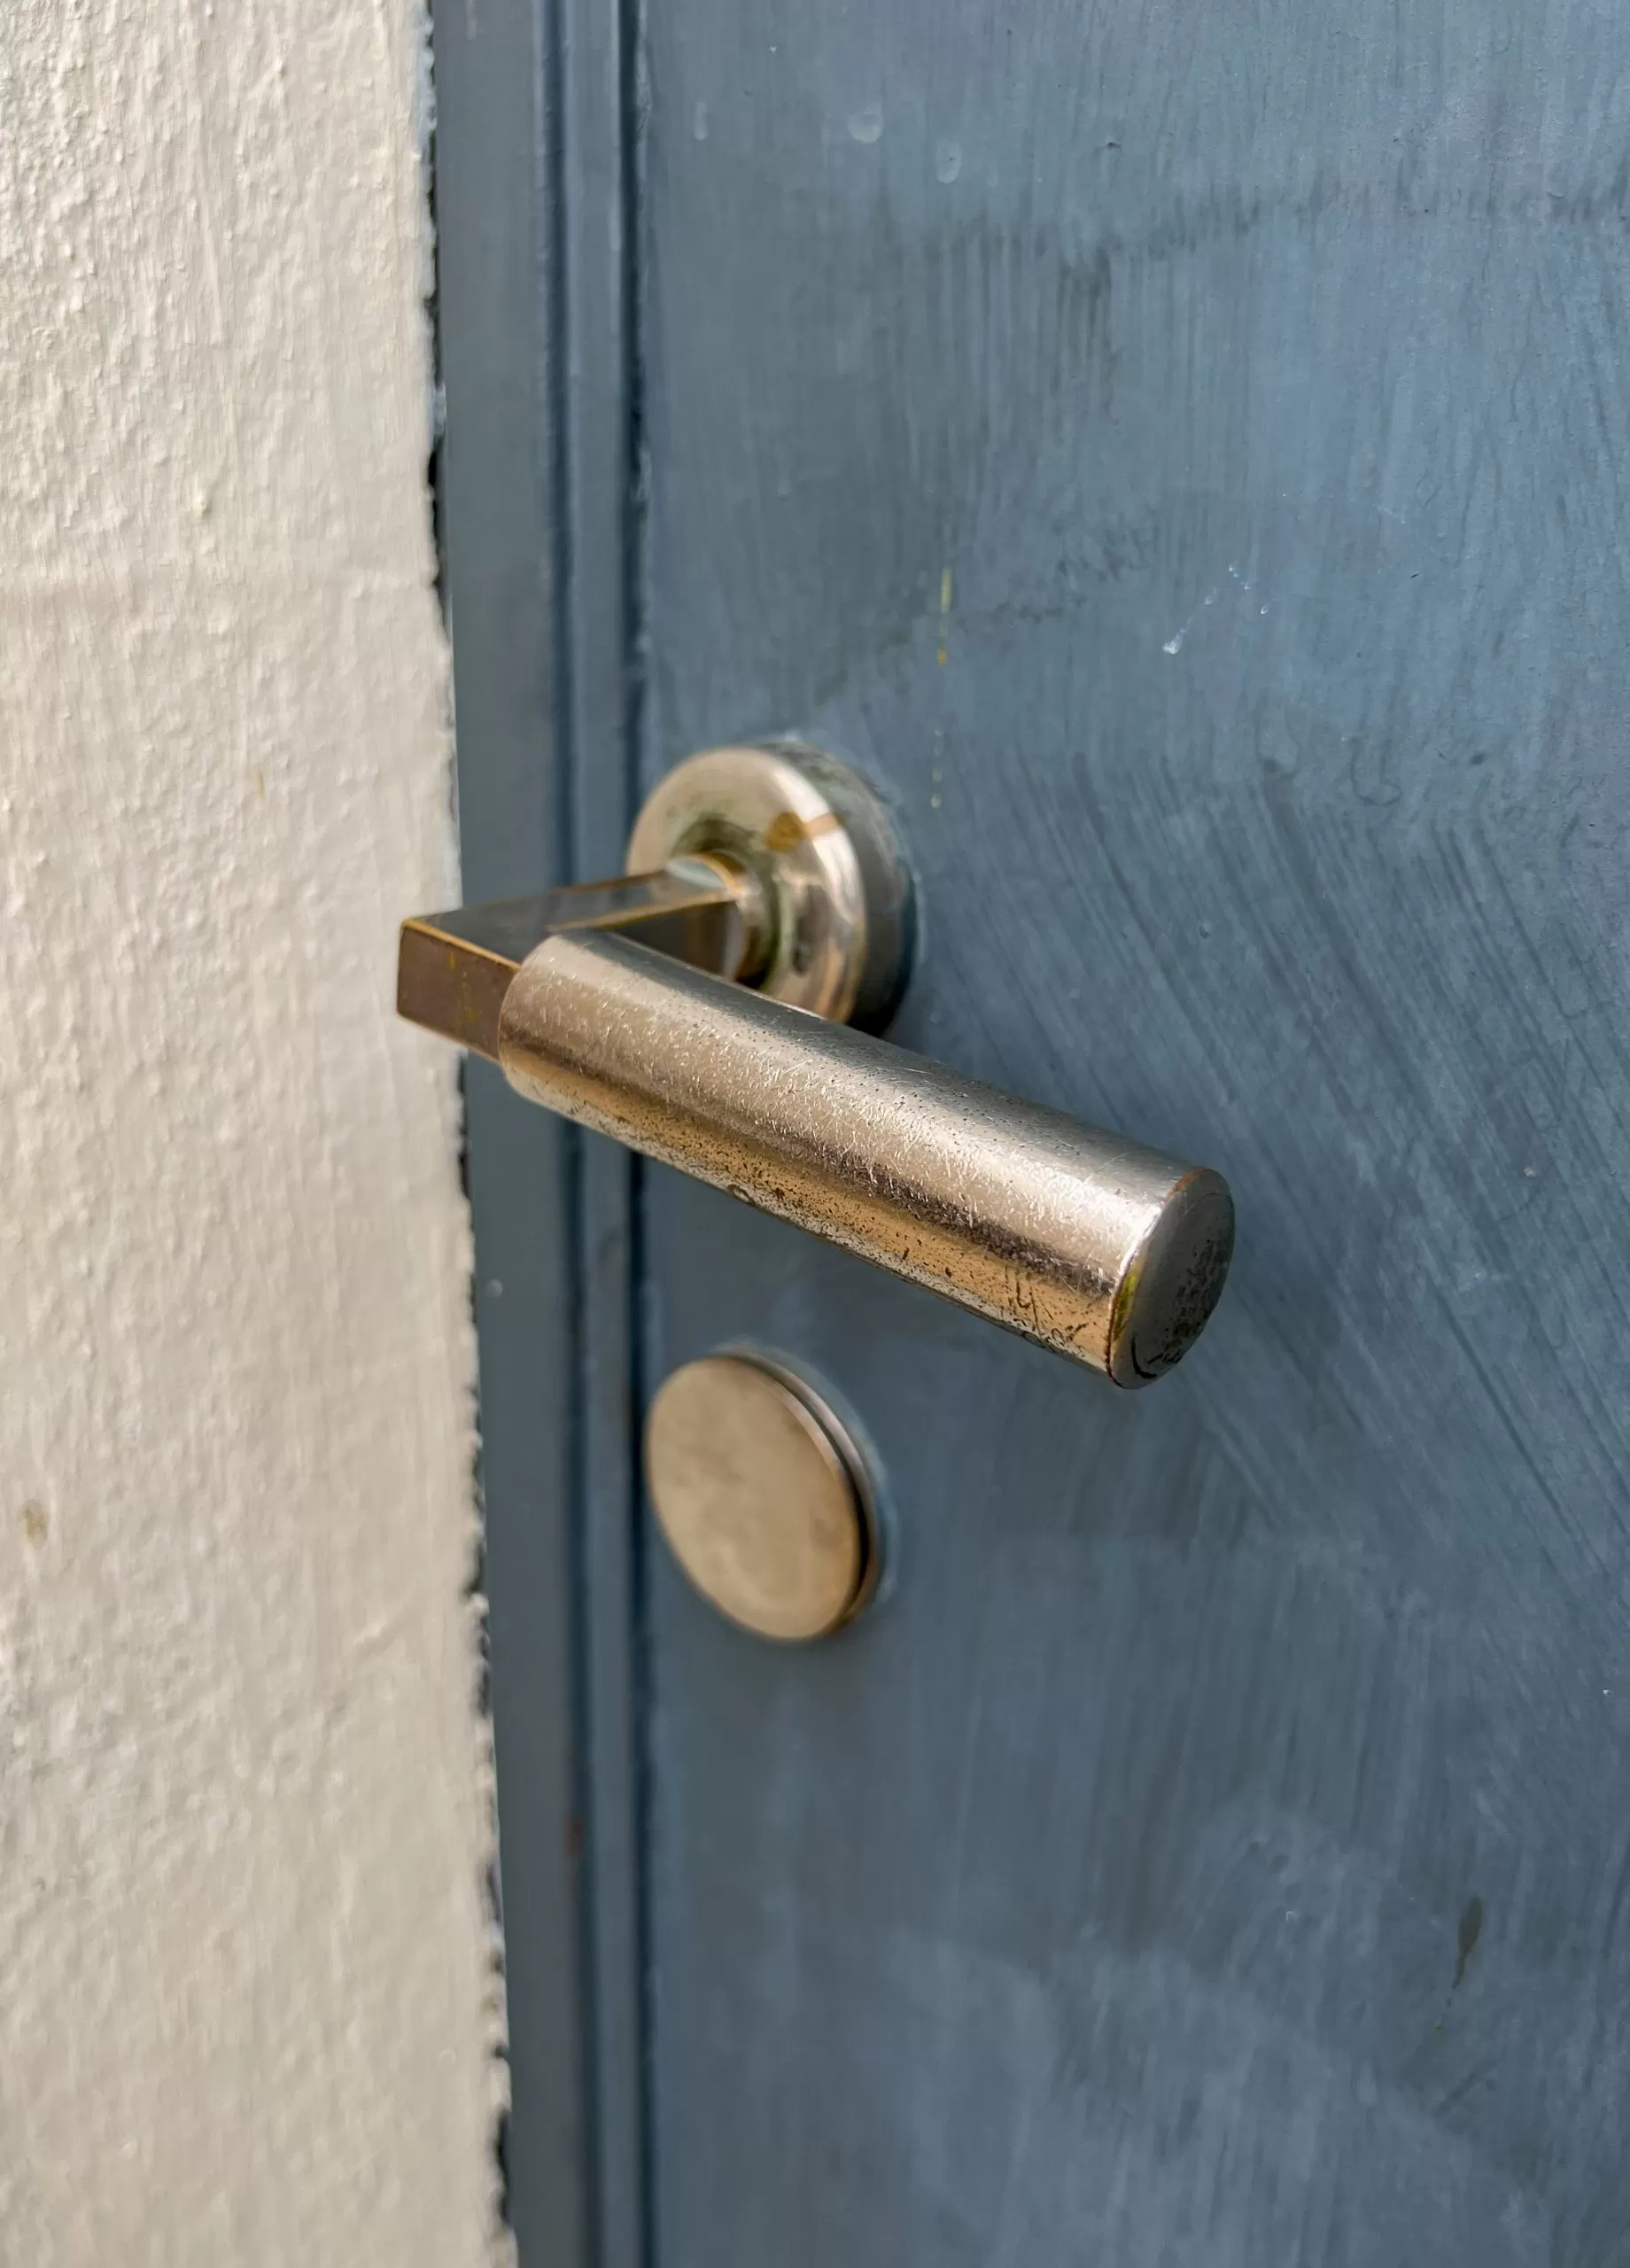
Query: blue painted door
[[1179, 452]]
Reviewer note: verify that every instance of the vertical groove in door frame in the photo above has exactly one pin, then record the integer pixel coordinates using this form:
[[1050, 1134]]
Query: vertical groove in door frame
[[535, 188], [497, 295], [599, 184]]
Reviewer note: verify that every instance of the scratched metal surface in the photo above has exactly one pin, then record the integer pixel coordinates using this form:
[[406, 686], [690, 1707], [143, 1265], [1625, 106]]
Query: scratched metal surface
[[1181, 451]]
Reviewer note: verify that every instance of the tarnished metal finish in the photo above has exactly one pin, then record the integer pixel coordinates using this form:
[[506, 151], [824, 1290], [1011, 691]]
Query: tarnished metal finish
[[452, 969], [824, 853], [763, 1496], [1107, 1252], [777, 867]]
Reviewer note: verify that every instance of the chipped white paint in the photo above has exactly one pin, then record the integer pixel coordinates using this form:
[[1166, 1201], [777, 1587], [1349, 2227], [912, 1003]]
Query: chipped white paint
[[242, 1962], [867, 124], [1174, 644]]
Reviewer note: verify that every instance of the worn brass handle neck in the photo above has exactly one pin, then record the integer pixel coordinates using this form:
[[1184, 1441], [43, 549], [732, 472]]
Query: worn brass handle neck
[[452, 970]]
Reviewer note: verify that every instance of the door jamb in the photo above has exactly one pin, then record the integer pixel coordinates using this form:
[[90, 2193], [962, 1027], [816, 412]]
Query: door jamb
[[537, 209]]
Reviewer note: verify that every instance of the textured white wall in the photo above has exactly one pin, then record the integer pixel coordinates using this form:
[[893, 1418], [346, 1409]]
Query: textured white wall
[[243, 1973]]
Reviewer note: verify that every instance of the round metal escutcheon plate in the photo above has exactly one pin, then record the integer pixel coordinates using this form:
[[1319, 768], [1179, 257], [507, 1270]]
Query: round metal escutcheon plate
[[763, 1497], [822, 847]]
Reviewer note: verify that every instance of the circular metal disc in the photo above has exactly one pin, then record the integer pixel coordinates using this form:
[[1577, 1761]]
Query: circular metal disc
[[820, 844], [761, 1497]]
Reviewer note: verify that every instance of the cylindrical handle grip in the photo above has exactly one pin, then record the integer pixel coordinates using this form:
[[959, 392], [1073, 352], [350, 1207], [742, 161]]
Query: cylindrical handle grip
[[1107, 1252]]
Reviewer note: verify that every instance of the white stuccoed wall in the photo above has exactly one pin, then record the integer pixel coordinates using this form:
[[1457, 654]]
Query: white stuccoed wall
[[243, 1993]]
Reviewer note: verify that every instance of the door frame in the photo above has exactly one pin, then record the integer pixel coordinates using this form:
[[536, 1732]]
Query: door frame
[[536, 212]]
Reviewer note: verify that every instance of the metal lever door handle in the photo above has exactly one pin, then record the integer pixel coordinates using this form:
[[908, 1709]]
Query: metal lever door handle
[[773, 883]]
